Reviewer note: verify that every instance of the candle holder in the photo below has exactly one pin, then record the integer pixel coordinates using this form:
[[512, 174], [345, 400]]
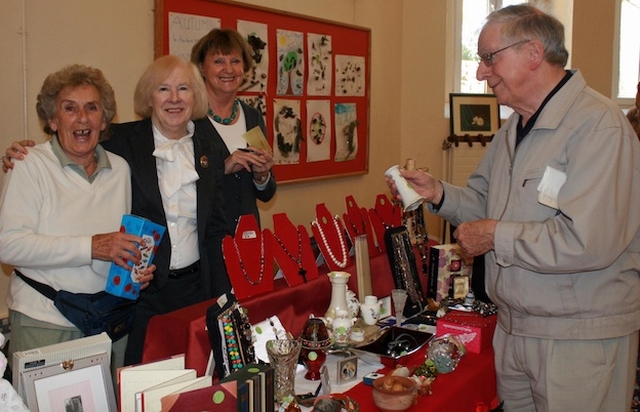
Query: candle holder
[[315, 341]]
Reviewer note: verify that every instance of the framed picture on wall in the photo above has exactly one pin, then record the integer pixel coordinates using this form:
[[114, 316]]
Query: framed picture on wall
[[474, 114]]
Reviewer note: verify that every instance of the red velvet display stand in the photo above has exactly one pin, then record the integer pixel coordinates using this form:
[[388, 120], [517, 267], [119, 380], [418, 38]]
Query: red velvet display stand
[[292, 250], [382, 216], [248, 259], [330, 237], [357, 222]]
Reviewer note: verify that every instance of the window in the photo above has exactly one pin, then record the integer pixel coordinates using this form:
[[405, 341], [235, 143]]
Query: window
[[469, 17], [628, 61]]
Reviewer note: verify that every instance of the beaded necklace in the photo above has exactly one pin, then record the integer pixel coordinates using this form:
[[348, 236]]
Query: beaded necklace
[[231, 341], [384, 224], [244, 271], [343, 247], [301, 270], [226, 120]]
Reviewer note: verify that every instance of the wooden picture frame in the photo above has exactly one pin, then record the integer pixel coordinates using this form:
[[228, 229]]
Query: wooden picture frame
[[474, 114], [318, 129], [75, 384]]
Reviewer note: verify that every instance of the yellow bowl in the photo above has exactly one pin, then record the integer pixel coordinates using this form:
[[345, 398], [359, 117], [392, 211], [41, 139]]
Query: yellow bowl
[[389, 400]]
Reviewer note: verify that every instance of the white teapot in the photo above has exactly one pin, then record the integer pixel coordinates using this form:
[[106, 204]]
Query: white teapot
[[370, 310]]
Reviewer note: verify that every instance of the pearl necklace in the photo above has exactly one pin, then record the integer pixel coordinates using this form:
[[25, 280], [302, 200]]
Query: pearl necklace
[[343, 247], [244, 271], [301, 270], [226, 120]]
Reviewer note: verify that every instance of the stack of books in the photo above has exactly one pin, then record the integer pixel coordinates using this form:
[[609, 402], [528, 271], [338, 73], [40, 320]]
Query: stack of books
[[255, 392]]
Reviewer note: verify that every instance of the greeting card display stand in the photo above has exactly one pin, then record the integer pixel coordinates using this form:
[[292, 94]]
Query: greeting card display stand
[[384, 215], [357, 222], [292, 250], [330, 236], [248, 259]]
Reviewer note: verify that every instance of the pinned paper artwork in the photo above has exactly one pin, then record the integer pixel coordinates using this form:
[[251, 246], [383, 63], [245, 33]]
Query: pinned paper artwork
[[290, 63], [320, 70], [287, 131], [256, 36], [318, 130], [186, 30], [320, 64], [257, 102], [346, 117], [350, 72]]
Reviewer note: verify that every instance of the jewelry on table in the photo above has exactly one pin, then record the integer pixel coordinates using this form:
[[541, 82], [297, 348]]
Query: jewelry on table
[[226, 120], [242, 268], [343, 247], [301, 270]]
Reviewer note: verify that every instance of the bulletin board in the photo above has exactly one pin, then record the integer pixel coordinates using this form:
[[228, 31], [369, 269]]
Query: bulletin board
[[310, 80]]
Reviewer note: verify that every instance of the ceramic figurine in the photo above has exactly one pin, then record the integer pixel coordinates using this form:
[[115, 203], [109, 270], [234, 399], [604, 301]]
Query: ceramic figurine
[[353, 304]]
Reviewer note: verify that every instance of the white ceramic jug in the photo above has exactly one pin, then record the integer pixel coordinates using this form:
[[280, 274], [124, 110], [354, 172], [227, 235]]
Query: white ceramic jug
[[341, 327], [370, 310]]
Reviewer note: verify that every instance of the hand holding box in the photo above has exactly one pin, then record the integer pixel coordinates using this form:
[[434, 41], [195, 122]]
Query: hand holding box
[[122, 282]]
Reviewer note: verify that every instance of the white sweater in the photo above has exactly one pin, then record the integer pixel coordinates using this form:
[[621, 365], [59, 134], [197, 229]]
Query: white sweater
[[47, 217]]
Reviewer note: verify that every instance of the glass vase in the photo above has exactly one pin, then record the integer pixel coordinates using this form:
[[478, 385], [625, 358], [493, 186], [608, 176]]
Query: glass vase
[[283, 356]]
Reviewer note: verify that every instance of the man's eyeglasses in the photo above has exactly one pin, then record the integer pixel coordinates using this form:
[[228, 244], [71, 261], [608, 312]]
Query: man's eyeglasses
[[487, 58]]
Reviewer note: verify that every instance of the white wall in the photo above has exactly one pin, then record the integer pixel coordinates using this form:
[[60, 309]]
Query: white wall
[[117, 37], [408, 77]]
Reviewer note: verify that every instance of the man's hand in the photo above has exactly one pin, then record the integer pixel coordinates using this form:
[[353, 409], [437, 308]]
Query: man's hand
[[476, 238], [422, 182]]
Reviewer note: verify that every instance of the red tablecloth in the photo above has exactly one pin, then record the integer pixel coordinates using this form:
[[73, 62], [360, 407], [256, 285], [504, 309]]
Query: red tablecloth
[[183, 331], [470, 387]]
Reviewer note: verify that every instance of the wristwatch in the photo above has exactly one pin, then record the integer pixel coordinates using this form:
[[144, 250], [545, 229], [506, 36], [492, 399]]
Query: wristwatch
[[261, 179]]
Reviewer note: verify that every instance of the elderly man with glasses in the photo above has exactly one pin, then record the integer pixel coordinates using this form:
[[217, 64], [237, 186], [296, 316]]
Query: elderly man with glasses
[[555, 206]]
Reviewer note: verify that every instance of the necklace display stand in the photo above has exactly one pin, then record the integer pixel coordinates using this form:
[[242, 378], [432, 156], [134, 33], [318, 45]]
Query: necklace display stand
[[330, 237], [292, 250], [248, 259], [357, 222], [384, 215]]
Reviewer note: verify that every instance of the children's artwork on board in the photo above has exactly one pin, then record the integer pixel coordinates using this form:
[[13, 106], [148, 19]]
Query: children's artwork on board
[[256, 35], [319, 53], [346, 131], [295, 57], [318, 130], [186, 30], [350, 75], [287, 131], [257, 102], [290, 63]]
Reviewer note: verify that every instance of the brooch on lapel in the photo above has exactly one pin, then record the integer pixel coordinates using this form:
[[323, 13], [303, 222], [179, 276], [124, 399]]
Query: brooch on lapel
[[204, 161]]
